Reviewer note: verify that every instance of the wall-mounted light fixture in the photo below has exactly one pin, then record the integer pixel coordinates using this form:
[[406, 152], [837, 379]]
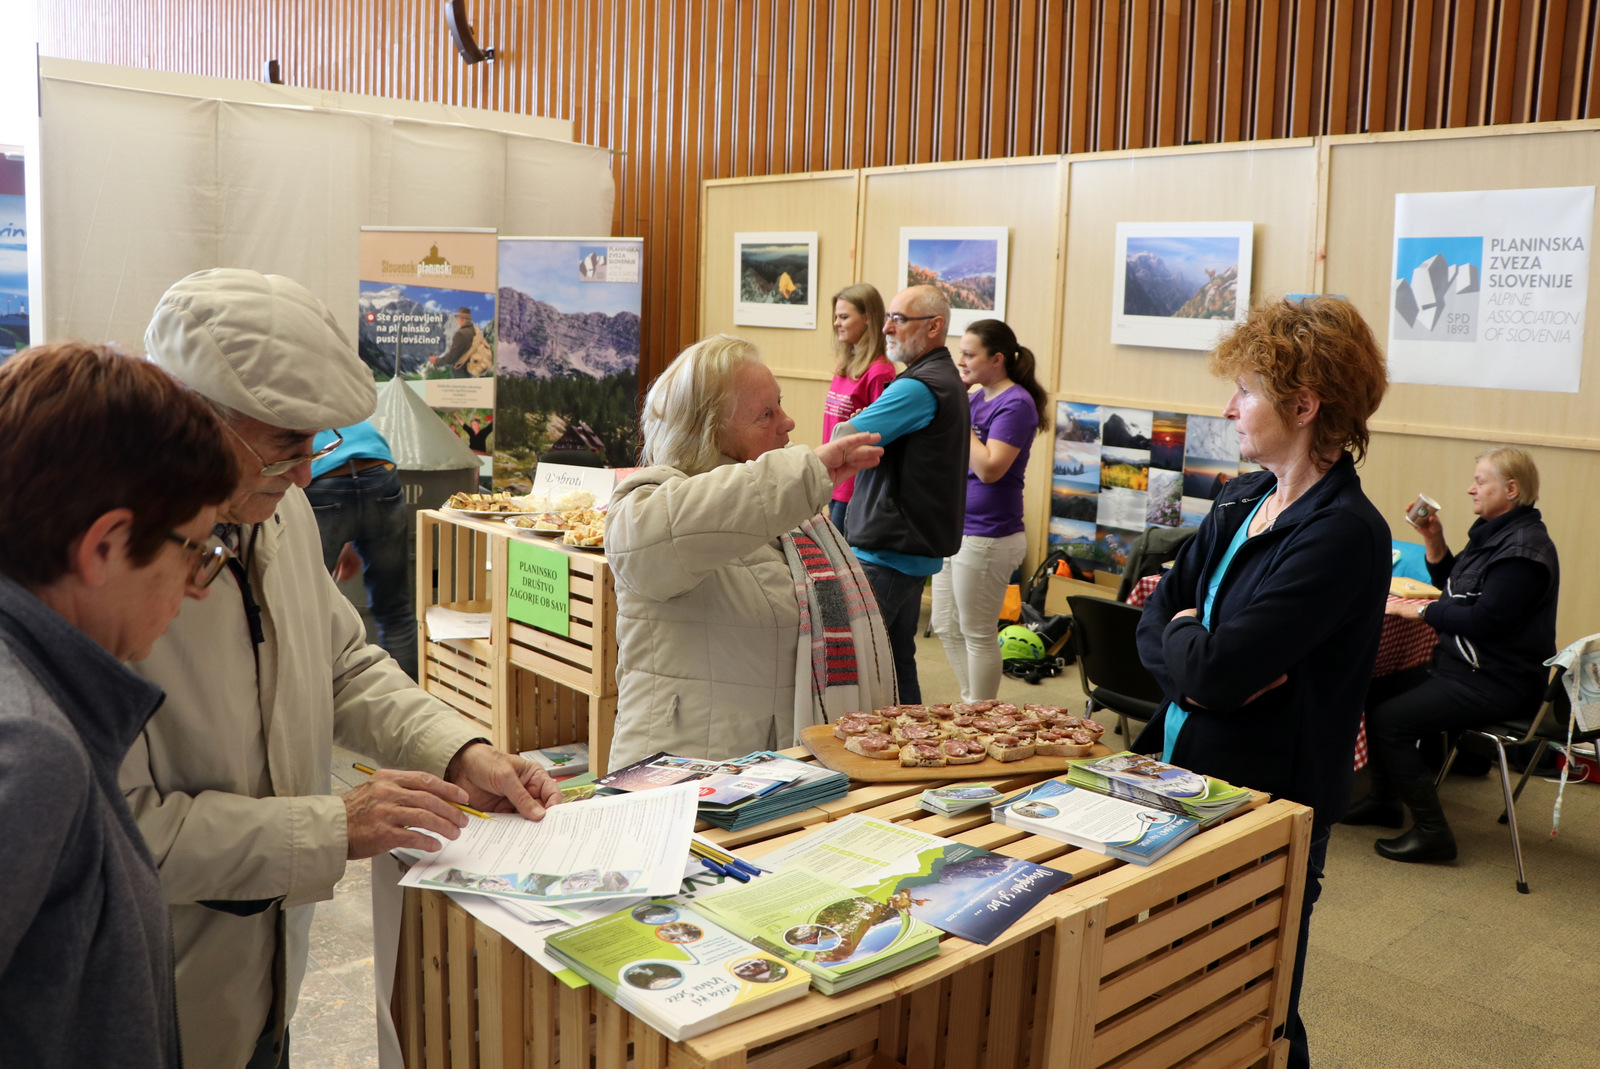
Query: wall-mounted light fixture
[[270, 72], [455, 17]]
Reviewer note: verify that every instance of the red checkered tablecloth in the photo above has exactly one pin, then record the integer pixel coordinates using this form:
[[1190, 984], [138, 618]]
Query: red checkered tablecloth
[[1143, 589], [1405, 643]]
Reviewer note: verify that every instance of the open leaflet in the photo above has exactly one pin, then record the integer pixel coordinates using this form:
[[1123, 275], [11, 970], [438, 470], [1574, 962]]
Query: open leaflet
[[957, 888]]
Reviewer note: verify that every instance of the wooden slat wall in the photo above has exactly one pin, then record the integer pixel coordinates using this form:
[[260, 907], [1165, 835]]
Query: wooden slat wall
[[685, 90]]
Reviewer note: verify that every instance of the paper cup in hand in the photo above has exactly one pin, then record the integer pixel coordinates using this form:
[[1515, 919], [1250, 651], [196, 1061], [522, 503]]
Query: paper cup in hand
[[1418, 512]]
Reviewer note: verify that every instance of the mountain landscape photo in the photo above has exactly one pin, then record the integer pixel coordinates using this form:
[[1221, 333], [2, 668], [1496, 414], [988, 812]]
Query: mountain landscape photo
[[964, 270], [1181, 277], [775, 274], [402, 326]]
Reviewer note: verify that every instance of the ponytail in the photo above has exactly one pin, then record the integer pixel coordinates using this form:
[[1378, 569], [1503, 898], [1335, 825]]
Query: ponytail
[[997, 337]]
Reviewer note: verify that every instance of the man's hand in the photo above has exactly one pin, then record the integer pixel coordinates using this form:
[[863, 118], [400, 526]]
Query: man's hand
[[348, 565], [846, 455], [395, 807], [502, 783]]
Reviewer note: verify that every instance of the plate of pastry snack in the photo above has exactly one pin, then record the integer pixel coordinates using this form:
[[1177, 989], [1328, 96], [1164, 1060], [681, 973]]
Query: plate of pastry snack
[[583, 527], [975, 740], [486, 506]]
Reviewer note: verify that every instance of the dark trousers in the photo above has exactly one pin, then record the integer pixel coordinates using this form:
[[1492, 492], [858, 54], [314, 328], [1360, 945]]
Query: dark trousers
[[836, 513], [1408, 706], [900, 601], [369, 509], [1294, 1029], [262, 1057]]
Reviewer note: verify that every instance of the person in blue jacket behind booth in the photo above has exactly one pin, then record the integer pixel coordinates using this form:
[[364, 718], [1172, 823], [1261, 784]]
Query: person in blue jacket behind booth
[[361, 511], [1264, 634]]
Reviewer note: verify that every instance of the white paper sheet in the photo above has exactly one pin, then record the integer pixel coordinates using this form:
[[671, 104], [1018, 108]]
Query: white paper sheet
[[445, 624], [632, 844]]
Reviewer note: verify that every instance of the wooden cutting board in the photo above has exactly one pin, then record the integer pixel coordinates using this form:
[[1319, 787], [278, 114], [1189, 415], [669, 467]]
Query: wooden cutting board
[[819, 739]]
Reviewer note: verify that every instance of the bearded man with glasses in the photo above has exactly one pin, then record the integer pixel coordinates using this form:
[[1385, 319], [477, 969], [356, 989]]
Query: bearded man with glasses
[[230, 779], [907, 514]]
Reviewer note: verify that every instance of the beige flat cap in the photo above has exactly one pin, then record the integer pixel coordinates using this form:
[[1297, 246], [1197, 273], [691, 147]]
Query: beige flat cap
[[264, 346]]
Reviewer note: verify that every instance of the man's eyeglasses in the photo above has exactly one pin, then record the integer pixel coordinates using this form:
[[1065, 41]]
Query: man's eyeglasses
[[278, 467], [210, 557], [900, 320]]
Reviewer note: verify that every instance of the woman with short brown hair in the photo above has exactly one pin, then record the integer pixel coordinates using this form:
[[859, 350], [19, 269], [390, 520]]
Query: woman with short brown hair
[[1264, 633], [113, 475]]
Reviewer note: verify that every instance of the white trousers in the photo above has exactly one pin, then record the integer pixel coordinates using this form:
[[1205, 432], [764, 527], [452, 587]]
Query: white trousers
[[967, 595]]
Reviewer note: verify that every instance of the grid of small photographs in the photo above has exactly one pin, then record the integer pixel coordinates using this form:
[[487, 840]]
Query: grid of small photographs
[[1120, 470]]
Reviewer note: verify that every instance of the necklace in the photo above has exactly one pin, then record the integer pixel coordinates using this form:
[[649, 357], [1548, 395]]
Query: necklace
[[1269, 514]]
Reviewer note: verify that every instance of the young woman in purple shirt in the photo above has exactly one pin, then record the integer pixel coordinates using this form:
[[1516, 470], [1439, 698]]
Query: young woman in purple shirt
[[1009, 408]]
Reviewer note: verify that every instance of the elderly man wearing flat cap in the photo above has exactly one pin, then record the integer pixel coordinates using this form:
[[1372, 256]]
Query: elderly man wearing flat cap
[[230, 779]]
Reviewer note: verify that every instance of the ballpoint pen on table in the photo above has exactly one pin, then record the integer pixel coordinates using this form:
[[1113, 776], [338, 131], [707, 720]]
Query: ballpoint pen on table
[[359, 767], [736, 866]]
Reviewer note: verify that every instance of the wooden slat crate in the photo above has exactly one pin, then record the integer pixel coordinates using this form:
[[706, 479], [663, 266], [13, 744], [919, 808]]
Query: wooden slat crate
[[524, 687], [1184, 963]]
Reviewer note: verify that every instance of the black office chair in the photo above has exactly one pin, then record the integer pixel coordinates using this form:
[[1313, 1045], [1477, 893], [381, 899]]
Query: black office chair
[[1108, 660], [1548, 726]]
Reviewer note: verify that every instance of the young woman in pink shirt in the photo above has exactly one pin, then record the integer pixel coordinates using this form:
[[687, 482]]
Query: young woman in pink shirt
[[861, 370]]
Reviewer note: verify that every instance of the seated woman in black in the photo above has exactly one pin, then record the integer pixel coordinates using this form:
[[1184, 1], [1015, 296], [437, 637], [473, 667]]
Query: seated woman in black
[[1497, 626]]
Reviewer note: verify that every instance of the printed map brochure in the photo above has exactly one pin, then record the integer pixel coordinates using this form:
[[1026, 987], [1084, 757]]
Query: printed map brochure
[[838, 936], [957, 888], [1112, 826], [675, 970], [1152, 782]]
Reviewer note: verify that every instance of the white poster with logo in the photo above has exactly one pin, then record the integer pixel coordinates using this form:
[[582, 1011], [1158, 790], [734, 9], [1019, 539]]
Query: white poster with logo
[[1489, 288]]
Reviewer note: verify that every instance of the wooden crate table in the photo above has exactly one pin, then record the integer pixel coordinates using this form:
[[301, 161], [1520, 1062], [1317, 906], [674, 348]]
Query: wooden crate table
[[1186, 962], [524, 687]]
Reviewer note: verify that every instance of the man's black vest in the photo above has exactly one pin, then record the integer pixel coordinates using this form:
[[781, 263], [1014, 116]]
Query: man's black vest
[[915, 500]]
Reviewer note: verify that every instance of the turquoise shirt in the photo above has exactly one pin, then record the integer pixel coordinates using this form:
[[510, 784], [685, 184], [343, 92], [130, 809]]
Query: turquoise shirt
[[906, 405], [361, 441], [1176, 716]]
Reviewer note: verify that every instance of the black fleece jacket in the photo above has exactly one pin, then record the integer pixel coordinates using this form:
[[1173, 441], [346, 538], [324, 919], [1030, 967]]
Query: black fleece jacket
[[1304, 599]]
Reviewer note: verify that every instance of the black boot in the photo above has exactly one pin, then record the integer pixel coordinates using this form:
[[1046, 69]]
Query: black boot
[[1381, 808], [1429, 838]]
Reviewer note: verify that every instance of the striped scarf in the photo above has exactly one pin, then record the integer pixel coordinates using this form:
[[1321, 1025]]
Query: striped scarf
[[844, 663]]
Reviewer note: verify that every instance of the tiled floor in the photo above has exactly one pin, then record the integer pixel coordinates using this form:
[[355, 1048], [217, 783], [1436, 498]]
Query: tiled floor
[[334, 1026]]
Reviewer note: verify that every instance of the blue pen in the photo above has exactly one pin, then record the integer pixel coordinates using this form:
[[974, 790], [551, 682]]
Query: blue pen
[[743, 866], [724, 871]]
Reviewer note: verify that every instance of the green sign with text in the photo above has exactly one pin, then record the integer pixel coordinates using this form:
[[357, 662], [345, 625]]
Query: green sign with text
[[537, 587]]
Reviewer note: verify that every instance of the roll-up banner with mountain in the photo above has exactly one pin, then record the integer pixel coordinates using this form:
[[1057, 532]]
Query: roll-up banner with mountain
[[567, 353], [427, 314]]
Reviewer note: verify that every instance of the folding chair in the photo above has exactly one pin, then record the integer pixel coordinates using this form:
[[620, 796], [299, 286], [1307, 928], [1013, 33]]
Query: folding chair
[[1549, 725], [1108, 660]]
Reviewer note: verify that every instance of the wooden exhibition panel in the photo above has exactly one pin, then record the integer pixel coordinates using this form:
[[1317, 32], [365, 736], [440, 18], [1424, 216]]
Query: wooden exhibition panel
[[1025, 197], [525, 687], [825, 203], [1365, 173], [1184, 962], [1272, 183]]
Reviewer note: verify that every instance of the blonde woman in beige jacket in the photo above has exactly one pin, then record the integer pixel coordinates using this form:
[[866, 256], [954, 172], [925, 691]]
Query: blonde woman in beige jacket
[[709, 614]]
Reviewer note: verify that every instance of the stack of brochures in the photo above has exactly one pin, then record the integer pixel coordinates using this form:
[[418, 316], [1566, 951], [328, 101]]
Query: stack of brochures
[[1112, 826], [675, 970], [838, 936], [956, 798], [570, 759], [739, 793], [1151, 782], [957, 888]]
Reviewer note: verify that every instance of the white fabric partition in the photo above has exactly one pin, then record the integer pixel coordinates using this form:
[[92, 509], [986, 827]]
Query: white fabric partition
[[140, 187]]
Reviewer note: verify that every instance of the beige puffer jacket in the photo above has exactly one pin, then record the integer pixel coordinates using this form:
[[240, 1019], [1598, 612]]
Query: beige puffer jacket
[[707, 619], [229, 780]]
